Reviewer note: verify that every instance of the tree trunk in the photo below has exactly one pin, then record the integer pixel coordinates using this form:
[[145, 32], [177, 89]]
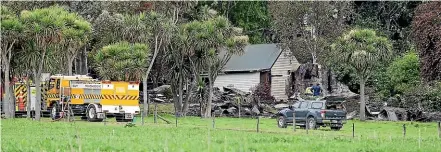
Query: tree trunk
[[70, 65], [77, 65], [145, 102], [210, 96], [362, 101], [146, 77], [38, 97], [1, 87], [186, 103], [13, 101], [155, 81], [201, 102], [37, 77], [80, 62], [181, 93], [177, 104], [85, 61], [7, 103], [28, 99], [187, 98]]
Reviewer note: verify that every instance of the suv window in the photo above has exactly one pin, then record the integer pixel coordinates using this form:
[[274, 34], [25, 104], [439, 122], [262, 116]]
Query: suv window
[[304, 105], [316, 105]]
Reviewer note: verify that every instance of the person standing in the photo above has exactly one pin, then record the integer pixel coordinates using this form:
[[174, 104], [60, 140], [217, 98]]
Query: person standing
[[308, 90], [317, 90]]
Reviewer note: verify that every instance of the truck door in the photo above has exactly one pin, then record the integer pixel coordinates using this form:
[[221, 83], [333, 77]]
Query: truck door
[[301, 112], [289, 113]]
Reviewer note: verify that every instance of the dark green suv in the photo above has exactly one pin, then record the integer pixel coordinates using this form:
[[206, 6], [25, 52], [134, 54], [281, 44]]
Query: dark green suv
[[314, 114]]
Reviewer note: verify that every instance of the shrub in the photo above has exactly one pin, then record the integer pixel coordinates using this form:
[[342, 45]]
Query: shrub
[[399, 77], [263, 91], [404, 72], [428, 95]]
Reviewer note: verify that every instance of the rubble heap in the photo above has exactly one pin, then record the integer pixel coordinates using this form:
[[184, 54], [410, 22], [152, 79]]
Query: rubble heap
[[382, 112], [233, 102]]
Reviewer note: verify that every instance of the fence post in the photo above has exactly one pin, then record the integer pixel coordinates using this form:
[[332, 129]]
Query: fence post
[[214, 117], [142, 118], [294, 120], [156, 113], [239, 109], [258, 121], [307, 126], [353, 130], [105, 117], [404, 130], [176, 117], [239, 101], [439, 129]]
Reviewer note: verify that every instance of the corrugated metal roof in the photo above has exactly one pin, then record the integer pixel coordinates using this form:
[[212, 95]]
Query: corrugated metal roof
[[256, 57]]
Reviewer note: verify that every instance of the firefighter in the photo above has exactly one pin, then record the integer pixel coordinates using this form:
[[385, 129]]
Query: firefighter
[[308, 90]]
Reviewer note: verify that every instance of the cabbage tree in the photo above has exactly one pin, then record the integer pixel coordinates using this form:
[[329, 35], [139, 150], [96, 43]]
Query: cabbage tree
[[45, 32], [216, 41], [364, 51], [76, 33], [11, 28], [150, 28], [122, 61]]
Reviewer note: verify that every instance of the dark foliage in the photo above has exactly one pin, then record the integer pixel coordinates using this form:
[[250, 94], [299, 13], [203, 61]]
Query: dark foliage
[[263, 91], [391, 18], [425, 96], [427, 35]]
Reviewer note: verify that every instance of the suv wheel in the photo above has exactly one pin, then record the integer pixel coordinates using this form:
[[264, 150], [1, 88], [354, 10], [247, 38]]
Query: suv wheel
[[281, 122], [312, 124]]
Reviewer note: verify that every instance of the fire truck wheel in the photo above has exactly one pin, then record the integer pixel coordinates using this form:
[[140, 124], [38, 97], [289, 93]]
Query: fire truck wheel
[[92, 115], [55, 112]]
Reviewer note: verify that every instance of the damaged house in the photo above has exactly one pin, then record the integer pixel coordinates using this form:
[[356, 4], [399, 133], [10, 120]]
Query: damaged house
[[260, 63]]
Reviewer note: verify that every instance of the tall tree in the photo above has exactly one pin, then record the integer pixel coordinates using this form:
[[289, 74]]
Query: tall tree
[[217, 40], [11, 30], [122, 61], [178, 59], [363, 50], [427, 35], [76, 34], [305, 26], [391, 18], [107, 28], [44, 34], [150, 28], [178, 12]]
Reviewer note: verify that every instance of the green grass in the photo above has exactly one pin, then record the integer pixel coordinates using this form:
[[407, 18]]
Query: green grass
[[230, 134]]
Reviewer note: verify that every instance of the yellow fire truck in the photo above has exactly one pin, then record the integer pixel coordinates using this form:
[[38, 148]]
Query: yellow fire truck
[[90, 98]]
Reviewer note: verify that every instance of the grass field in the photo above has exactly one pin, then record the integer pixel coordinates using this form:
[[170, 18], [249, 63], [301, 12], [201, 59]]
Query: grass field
[[230, 134]]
